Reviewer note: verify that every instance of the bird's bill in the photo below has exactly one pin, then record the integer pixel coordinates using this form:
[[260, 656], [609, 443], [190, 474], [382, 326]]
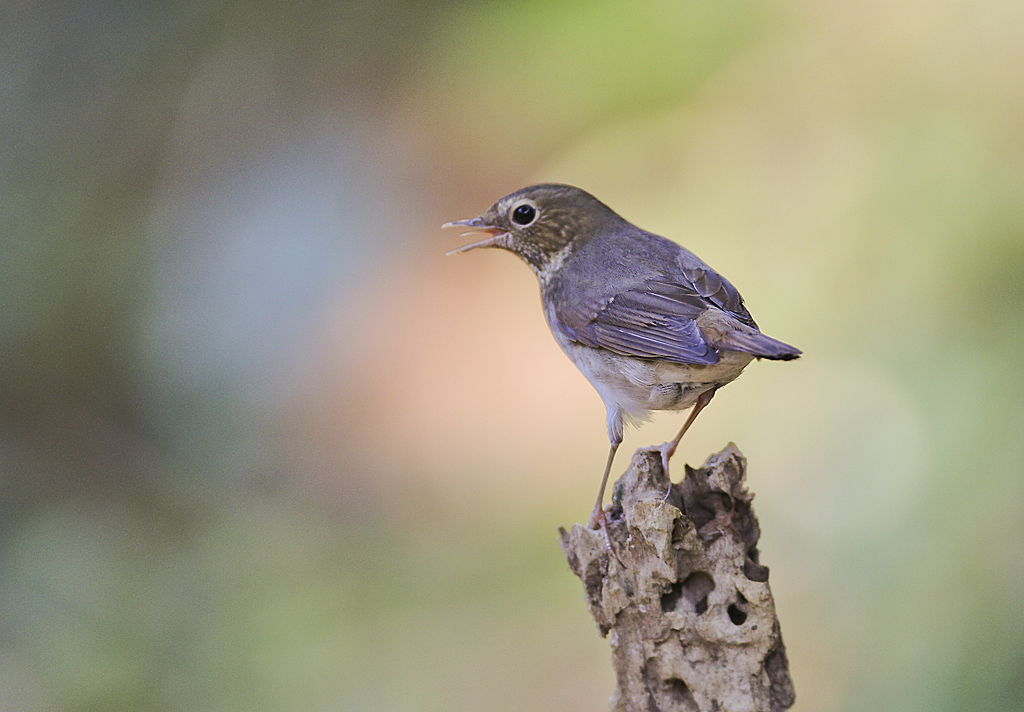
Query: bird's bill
[[477, 225]]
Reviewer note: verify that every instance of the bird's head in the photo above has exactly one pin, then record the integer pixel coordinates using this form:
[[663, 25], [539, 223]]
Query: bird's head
[[540, 223]]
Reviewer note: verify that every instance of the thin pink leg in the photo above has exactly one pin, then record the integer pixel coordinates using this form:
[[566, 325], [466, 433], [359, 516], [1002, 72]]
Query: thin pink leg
[[669, 448]]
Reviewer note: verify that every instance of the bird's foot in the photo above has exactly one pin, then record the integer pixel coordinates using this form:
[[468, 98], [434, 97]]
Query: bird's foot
[[666, 450], [599, 520]]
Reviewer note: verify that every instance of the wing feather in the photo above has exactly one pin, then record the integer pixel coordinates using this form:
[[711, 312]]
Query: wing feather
[[655, 320]]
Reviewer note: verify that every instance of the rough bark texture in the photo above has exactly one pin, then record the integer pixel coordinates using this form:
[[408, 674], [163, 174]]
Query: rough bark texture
[[687, 604]]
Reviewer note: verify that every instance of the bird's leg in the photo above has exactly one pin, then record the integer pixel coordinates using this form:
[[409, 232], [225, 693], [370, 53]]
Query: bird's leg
[[598, 519], [597, 516], [669, 448]]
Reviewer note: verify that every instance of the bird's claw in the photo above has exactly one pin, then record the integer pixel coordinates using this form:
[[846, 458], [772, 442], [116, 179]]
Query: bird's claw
[[666, 450], [599, 520]]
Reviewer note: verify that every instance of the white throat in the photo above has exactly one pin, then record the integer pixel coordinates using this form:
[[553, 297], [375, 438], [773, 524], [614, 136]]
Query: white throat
[[552, 266]]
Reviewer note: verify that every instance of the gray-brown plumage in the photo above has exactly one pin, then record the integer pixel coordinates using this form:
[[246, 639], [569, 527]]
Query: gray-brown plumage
[[649, 324]]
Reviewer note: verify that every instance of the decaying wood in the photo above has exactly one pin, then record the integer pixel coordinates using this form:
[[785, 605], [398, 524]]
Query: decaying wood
[[685, 602]]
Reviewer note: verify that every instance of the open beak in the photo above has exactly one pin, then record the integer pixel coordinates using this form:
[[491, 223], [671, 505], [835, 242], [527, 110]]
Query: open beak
[[477, 225]]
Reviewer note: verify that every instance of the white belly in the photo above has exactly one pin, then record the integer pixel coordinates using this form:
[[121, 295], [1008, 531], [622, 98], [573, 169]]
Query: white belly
[[638, 386]]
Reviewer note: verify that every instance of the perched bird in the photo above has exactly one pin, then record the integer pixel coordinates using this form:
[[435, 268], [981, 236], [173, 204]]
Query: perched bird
[[650, 325]]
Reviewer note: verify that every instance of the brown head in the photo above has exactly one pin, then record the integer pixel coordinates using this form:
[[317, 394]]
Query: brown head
[[539, 222]]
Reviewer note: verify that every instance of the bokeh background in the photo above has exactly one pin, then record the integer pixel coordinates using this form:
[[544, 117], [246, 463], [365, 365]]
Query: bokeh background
[[263, 447]]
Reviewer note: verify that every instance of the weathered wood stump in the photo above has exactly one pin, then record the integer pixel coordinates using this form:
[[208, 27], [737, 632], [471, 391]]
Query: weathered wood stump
[[685, 600]]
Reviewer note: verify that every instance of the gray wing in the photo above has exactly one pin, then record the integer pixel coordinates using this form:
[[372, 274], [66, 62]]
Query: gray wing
[[657, 318], [741, 334], [714, 287], [654, 320]]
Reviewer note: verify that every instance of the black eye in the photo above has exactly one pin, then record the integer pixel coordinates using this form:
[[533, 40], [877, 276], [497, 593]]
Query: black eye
[[524, 214]]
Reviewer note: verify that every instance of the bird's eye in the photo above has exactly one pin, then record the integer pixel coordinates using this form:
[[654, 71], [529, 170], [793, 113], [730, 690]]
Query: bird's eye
[[524, 214]]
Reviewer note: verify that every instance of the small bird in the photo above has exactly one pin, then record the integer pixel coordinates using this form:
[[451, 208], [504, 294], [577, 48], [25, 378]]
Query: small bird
[[650, 325]]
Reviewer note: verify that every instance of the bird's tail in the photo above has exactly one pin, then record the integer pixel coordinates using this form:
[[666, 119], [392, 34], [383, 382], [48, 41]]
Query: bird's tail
[[752, 341]]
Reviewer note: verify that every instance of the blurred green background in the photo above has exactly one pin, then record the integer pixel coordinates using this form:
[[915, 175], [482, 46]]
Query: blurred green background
[[263, 447]]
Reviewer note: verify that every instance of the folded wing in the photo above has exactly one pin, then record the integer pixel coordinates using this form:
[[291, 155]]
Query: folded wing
[[671, 320]]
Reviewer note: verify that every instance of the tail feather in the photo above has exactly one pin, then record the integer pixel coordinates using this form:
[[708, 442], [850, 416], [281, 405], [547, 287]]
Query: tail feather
[[752, 341]]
